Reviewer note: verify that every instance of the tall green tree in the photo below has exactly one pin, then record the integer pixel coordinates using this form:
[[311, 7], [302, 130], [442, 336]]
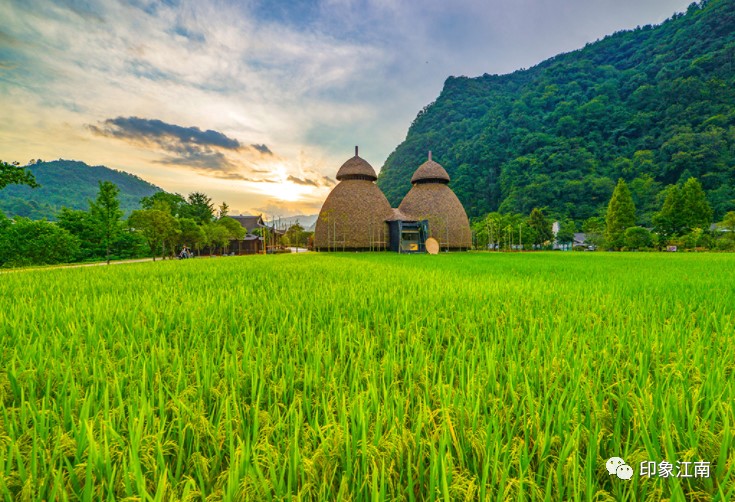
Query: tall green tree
[[541, 225], [222, 231], [175, 203], [200, 208], [620, 215], [13, 174], [105, 214], [296, 235], [190, 234], [668, 221], [157, 226], [224, 210], [216, 236], [697, 212], [594, 229]]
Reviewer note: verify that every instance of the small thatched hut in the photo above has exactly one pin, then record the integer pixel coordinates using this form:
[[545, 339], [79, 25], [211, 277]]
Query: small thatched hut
[[355, 212], [431, 198]]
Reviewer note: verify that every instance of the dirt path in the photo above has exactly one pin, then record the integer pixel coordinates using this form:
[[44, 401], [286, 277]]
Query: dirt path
[[76, 265]]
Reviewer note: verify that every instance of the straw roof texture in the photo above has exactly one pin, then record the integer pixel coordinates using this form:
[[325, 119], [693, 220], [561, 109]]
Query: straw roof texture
[[356, 168], [353, 216], [437, 203], [397, 215], [430, 171]]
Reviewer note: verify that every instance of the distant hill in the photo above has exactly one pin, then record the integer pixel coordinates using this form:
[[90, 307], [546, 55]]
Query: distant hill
[[72, 184], [654, 106], [307, 221]]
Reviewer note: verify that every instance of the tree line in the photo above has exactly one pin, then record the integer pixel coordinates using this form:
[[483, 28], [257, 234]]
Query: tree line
[[164, 224], [684, 220]]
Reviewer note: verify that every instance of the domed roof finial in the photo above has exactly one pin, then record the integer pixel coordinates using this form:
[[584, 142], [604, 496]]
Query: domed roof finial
[[356, 168], [430, 172]]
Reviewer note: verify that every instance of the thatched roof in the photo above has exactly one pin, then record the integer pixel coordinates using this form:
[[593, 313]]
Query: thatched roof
[[397, 215], [430, 171], [431, 199], [353, 217], [356, 168]]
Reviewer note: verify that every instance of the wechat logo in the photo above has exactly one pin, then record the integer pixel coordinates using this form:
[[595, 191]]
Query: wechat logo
[[618, 467]]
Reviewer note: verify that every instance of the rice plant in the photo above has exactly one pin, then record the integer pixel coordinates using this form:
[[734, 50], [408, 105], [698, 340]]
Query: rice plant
[[369, 377]]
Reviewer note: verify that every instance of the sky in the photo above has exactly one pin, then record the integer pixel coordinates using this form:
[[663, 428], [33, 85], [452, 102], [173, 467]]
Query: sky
[[255, 102]]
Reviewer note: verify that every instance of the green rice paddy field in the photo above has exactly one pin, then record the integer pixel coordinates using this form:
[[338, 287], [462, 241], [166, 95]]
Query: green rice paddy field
[[369, 377]]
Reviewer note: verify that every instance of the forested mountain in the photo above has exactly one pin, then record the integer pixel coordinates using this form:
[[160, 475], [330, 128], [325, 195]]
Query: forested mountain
[[654, 106], [72, 184]]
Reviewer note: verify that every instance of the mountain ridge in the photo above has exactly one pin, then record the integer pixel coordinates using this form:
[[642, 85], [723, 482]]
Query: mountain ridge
[[652, 105], [70, 183]]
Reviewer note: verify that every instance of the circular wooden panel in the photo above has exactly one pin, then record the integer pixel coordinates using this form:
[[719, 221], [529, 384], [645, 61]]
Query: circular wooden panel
[[432, 246]]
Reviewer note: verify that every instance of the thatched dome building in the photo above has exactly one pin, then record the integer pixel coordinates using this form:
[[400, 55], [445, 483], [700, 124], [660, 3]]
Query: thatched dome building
[[354, 214], [431, 198]]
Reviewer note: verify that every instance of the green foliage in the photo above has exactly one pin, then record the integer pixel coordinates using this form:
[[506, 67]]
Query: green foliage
[[368, 377], [668, 222], [234, 229], [505, 231], [296, 235], [224, 210], [636, 238], [683, 210], [26, 242], [157, 226], [697, 212], [66, 183], [80, 224], [620, 215], [728, 223], [542, 226], [594, 229], [199, 207], [567, 228], [105, 214], [216, 235], [653, 106], [174, 202], [190, 234], [13, 174]]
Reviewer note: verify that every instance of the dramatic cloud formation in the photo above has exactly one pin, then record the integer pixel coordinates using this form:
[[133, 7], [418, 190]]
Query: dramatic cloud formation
[[220, 83], [189, 146], [168, 136]]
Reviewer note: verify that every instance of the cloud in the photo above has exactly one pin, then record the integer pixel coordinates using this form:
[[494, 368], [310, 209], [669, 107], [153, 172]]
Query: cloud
[[185, 146], [307, 79], [165, 135], [303, 181], [262, 149]]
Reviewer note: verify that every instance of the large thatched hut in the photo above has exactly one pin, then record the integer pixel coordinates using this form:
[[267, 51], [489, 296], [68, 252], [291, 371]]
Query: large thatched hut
[[431, 199], [355, 212]]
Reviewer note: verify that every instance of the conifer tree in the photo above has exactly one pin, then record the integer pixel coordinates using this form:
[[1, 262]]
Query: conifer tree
[[696, 211], [105, 213], [620, 215]]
